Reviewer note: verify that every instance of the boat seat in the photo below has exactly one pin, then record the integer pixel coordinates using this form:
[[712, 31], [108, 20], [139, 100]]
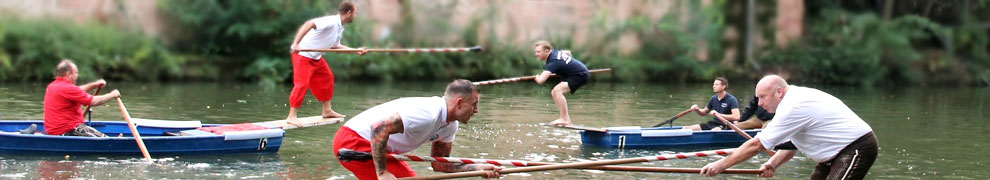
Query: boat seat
[[666, 133], [166, 123], [253, 134], [196, 132]]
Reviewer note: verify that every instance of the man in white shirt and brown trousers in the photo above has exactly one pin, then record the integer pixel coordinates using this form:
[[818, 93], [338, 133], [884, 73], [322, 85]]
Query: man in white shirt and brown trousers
[[818, 124], [309, 69], [402, 125]]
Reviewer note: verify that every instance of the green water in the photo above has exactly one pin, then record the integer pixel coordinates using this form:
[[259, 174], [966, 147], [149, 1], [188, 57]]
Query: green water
[[924, 133]]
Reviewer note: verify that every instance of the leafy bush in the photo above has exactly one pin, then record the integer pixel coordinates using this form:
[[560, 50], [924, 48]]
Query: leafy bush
[[29, 50]]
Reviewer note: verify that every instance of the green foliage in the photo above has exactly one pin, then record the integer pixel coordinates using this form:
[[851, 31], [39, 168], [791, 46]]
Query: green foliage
[[860, 49], [667, 46], [29, 50]]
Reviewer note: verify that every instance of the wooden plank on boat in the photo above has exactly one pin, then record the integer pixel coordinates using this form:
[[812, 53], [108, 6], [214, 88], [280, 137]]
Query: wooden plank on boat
[[306, 122], [576, 127]]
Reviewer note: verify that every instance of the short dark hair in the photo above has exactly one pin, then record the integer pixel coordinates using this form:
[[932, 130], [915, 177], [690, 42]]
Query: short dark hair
[[725, 82], [460, 88], [344, 7], [63, 68], [543, 44]]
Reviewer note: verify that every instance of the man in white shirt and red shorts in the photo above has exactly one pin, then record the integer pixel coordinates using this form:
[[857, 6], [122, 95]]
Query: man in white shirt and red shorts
[[818, 124], [402, 125], [309, 69]]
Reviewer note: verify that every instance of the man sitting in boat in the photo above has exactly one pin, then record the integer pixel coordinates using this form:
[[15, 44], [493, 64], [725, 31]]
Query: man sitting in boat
[[721, 104], [818, 124], [402, 125], [762, 116], [63, 101]]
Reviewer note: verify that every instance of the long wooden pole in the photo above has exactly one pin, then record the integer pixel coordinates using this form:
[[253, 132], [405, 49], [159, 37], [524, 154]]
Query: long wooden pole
[[134, 131], [408, 50], [741, 132], [578, 164], [406, 157], [672, 118], [507, 80]]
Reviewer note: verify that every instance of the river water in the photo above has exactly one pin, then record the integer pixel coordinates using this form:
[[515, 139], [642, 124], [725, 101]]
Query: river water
[[924, 133]]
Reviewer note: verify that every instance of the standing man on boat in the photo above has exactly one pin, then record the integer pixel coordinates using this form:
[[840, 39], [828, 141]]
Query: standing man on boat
[[572, 72], [753, 108], [63, 113], [817, 123], [721, 104], [309, 69], [402, 125]]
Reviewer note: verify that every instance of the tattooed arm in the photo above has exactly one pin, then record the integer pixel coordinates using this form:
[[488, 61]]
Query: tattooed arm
[[379, 139], [442, 149]]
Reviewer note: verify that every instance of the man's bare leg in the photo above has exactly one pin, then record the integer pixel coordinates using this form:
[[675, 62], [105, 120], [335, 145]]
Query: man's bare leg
[[558, 98], [328, 112], [292, 119]]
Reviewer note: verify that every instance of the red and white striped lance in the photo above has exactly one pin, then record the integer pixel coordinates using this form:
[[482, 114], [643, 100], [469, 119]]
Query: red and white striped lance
[[408, 50], [406, 157], [506, 80], [583, 165]]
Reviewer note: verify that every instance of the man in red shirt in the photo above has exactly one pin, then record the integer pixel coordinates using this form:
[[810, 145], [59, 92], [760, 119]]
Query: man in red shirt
[[64, 100]]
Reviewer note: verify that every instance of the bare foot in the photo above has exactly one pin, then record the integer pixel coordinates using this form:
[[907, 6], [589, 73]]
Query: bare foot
[[332, 114], [560, 122], [294, 121]]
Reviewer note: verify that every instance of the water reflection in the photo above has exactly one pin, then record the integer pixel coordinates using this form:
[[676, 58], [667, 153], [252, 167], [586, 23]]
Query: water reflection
[[924, 133]]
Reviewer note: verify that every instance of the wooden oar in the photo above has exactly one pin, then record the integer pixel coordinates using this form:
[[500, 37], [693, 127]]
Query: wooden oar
[[409, 50], [672, 118], [578, 164], [741, 132], [89, 108], [134, 131], [406, 157], [506, 80]]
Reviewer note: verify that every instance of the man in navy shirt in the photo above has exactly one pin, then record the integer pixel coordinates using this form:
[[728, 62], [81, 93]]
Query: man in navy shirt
[[721, 104], [572, 72], [762, 116]]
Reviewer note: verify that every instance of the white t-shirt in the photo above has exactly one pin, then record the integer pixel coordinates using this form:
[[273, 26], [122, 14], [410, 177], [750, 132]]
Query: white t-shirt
[[818, 124], [424, 120], [327, 34]]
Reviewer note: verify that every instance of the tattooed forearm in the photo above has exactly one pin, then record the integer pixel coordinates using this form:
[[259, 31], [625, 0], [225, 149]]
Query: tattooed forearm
[[442, 149], [380, 131]]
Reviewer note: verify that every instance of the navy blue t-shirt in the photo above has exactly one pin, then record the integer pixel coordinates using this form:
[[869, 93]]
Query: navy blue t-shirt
[[724, 106], [564, 65]]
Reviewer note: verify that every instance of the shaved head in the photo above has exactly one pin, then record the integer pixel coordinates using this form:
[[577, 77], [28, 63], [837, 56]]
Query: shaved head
[[771, 90], [771, 81]]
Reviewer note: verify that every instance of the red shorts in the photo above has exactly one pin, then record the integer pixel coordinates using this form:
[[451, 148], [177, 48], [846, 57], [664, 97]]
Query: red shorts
[[347, 138], [310, 74]]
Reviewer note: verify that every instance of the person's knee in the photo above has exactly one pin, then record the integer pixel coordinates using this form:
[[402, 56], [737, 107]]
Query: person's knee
[[559, 90]]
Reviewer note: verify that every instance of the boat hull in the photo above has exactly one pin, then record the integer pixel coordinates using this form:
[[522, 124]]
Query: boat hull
[[663, 137], [159, 141]]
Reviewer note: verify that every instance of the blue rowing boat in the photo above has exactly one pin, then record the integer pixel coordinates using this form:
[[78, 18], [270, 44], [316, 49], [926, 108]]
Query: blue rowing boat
[[662, 137], [161, 137]]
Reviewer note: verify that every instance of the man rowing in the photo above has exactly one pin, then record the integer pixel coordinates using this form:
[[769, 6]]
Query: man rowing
[[63, 114], [753, 108], [309, 69], [572, 72], [818, 124], [721, 104], [402, 125]]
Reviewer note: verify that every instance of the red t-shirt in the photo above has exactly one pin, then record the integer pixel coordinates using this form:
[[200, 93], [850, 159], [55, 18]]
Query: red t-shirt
[[63, 102]]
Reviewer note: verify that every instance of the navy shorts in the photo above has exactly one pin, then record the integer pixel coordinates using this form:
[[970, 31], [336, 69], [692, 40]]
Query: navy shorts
[[574, 82]]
